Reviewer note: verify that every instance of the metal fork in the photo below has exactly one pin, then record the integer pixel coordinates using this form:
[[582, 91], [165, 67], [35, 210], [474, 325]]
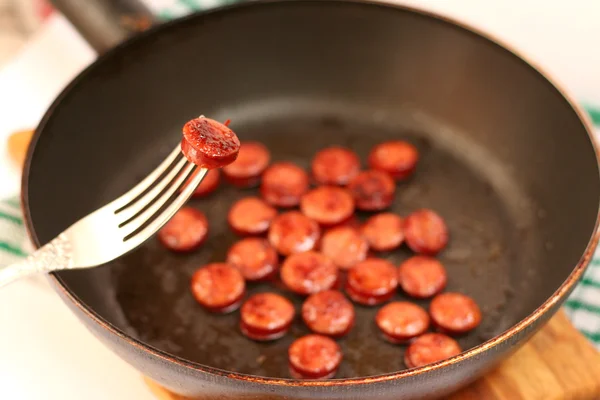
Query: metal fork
[[118, 227]]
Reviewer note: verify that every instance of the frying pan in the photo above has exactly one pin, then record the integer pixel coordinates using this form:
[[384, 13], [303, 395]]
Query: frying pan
[[506, 158]]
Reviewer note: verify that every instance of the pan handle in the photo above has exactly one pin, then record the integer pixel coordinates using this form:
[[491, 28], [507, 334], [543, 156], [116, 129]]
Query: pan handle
[[106, 23]]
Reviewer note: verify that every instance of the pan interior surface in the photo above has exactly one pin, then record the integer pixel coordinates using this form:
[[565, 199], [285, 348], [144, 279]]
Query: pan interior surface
[[504, 159]]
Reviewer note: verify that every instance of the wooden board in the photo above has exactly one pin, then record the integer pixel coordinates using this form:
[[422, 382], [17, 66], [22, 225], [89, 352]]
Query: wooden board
[[558, 363]]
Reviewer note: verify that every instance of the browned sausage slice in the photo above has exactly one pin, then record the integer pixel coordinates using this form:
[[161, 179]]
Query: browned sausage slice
[[454, 313], [254, 257], [314, 357], [401, 321], [185, 231], [328, 313], [251, 216], [345, 246], [309, 272], [372, 190], [425, 232], [293, 232], [335, 166], [372, 281], [208, 143], [283, 184], [430, 348], [251, 162], [398, 158], [266, 316], [218, 287], [209, 183], [384, 231], [422, 277], [328, 205]]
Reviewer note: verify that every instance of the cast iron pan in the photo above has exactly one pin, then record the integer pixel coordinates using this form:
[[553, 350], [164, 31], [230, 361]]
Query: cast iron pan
[[506, 160]]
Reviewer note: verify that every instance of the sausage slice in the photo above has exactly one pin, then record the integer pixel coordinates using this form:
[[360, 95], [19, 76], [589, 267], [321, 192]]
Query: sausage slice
[[251, 216], [185, 231], [218, 287], [425, 232], [208, 185], [398, 158], [372, 281], [372, 190], [430, 348], [345, 246], [251, 162], [401, 321], [314, 357], [335, 166], [293, 232], [254, 257], [384, 232], [454, 313], [328, 205], [208, 143], [328, 313], [422, 277], [283, 184], [266, 316], [309, 272]]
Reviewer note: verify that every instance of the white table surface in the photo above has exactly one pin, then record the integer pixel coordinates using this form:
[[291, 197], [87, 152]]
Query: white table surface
[[44, 352]]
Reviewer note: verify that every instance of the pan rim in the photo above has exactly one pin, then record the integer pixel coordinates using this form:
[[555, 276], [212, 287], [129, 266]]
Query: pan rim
[[553, 301]]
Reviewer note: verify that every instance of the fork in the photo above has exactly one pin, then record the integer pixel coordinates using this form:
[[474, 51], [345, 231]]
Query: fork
[[118, 227]]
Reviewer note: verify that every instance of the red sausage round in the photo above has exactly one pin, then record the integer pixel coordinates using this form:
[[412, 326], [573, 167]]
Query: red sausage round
[[293, 232], [454, 313], [218, 287], [335, 166], [401, 321], [397, 158], [328, 313], [345, 246], [422, 277], [308, 272], [430, 348], [372, 281], [209, 183], [208, 143], [251, 216], [251, 162], [266, 316], [314, 357], [254, 257], [185, 231], [328, 205], [283, 184], [372, 190], [384, 232], [425, 232]]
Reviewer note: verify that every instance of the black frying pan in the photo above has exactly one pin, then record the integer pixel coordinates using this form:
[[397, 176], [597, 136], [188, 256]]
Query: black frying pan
[[506, 159]]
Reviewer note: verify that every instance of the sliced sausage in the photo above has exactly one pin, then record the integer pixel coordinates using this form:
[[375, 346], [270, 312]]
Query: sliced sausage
[[398, 158], [372, 281], [345, 246], [454, 313], [218, 287], [251, 162], [384, 232], [430, 348], [283, 184], [422, 277], [185, 231], [372, 190], [251, 216], [401, 321], [254, 257], [425, 232], [266, 316], [209, 183], [309, 272], [314, 357], [293, 232], [335, 166], [208, 143], [328, 205], [328, 313]]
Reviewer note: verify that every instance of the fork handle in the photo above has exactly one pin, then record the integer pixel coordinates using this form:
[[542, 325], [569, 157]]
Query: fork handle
[[53, 256]]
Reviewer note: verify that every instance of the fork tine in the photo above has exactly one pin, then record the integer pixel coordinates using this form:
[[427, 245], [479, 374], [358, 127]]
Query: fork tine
[[123, 201], [139, 204], [149, 212], [167, 213]]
